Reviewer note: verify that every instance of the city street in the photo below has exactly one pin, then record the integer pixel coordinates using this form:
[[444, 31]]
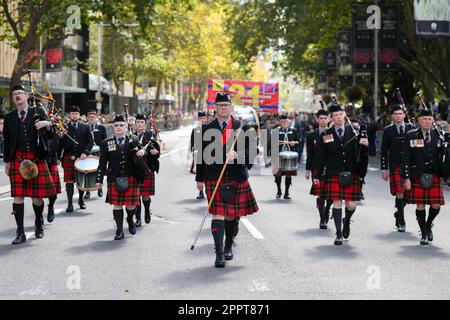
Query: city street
[[281, 254]]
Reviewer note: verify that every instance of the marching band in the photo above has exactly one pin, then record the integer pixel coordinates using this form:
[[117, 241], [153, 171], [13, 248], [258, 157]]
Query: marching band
[[413, 160]]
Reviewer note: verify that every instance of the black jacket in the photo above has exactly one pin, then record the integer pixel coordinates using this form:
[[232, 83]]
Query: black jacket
[[393, 147], [420, 158], [291, 134], [84, 138], [12, 130], [238, 169], [99, 133], [336, 156], [312, 150], [148, 138], [117, 162], [53, 147]]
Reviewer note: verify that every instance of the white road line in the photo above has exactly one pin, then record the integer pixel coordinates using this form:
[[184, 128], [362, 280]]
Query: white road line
[[252, 229]]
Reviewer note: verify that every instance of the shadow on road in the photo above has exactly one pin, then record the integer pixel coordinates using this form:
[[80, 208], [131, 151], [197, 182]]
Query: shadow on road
[[308, 233], [418, 251], [99, 246], [331, 251], [190, 201], [397, 236]]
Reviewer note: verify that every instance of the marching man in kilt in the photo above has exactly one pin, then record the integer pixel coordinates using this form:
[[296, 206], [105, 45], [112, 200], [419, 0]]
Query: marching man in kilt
[[118, 159], [98, 133], [341, 152], [421, 170], [147, 140], [202, 118], [392, 152], [26, 135], [288, 138], [53, 166], [312, 155], [235, 198], [69, 152]]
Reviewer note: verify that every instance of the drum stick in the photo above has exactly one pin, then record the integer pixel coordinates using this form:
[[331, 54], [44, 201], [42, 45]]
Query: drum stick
[[214, 192]]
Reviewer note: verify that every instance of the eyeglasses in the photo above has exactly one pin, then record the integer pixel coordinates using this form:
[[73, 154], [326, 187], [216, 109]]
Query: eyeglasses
[[117, 125], [18, 93]]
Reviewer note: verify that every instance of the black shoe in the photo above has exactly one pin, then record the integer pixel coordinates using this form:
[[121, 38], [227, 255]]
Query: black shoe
[[201, 195], [69, 208], [138, 223], [21, 238], [279, 194], [346, 229], [87, 195], [401, 228], [430, 233], [338, 241], [323, 225], [131, 226], [100, 193], [220, 261], [228, 254], [119, 235], [82, 205], [286, 196], [424, 240], [39, 231], [50, 215], [148, 217]]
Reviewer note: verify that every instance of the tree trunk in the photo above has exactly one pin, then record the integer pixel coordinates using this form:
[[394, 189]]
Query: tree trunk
[[158, 93]]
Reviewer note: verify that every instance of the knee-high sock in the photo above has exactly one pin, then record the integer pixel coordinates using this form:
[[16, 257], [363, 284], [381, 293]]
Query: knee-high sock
[[400, 205], [278, 182], [320, 206], [229, 232], [81, 196], [18, 215], [147, 204], [328, 206], [118, 217], [432, 215], [38, 213], [69, 191], [218, 230], [337, 216], [51, 202], [421, 217], [287, 184], [349, 214], [130, 213], [138, 212]]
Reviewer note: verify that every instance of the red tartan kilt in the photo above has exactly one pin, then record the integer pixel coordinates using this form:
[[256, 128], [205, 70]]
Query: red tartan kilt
[[331, 189], [148, 187], [69, 168], [418, 195], [55, 177], [243, 204], [315, 189], [127, 198], [40, 187], [285, 173], [396, 182]]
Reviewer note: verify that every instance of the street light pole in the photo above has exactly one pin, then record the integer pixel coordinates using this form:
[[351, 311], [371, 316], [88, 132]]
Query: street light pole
[[99, 69], [375, 88]]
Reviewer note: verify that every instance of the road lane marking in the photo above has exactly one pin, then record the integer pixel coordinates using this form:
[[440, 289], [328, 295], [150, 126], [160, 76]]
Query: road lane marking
[[252, 229]]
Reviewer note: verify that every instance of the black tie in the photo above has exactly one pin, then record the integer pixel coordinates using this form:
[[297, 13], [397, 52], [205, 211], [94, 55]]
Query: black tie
[[22, 115], [224, 126], [401, 130], [340, 132], [121, 142], [427, 137]]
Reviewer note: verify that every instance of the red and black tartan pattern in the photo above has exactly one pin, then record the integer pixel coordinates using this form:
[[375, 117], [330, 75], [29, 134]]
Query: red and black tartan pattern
[[244, 203], [331, 189], [315, 188], [418, 195], [69, 168], [131, 197], [148, 187], [55, 177], [40, 187], [396, 182]]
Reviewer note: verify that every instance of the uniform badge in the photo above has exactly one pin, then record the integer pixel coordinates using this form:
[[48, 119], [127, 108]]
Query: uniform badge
[[111, 145], [417, 143], [328, 138]]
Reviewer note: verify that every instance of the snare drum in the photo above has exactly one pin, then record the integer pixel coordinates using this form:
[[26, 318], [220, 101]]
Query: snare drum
[[288, 162], [86, 173]]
